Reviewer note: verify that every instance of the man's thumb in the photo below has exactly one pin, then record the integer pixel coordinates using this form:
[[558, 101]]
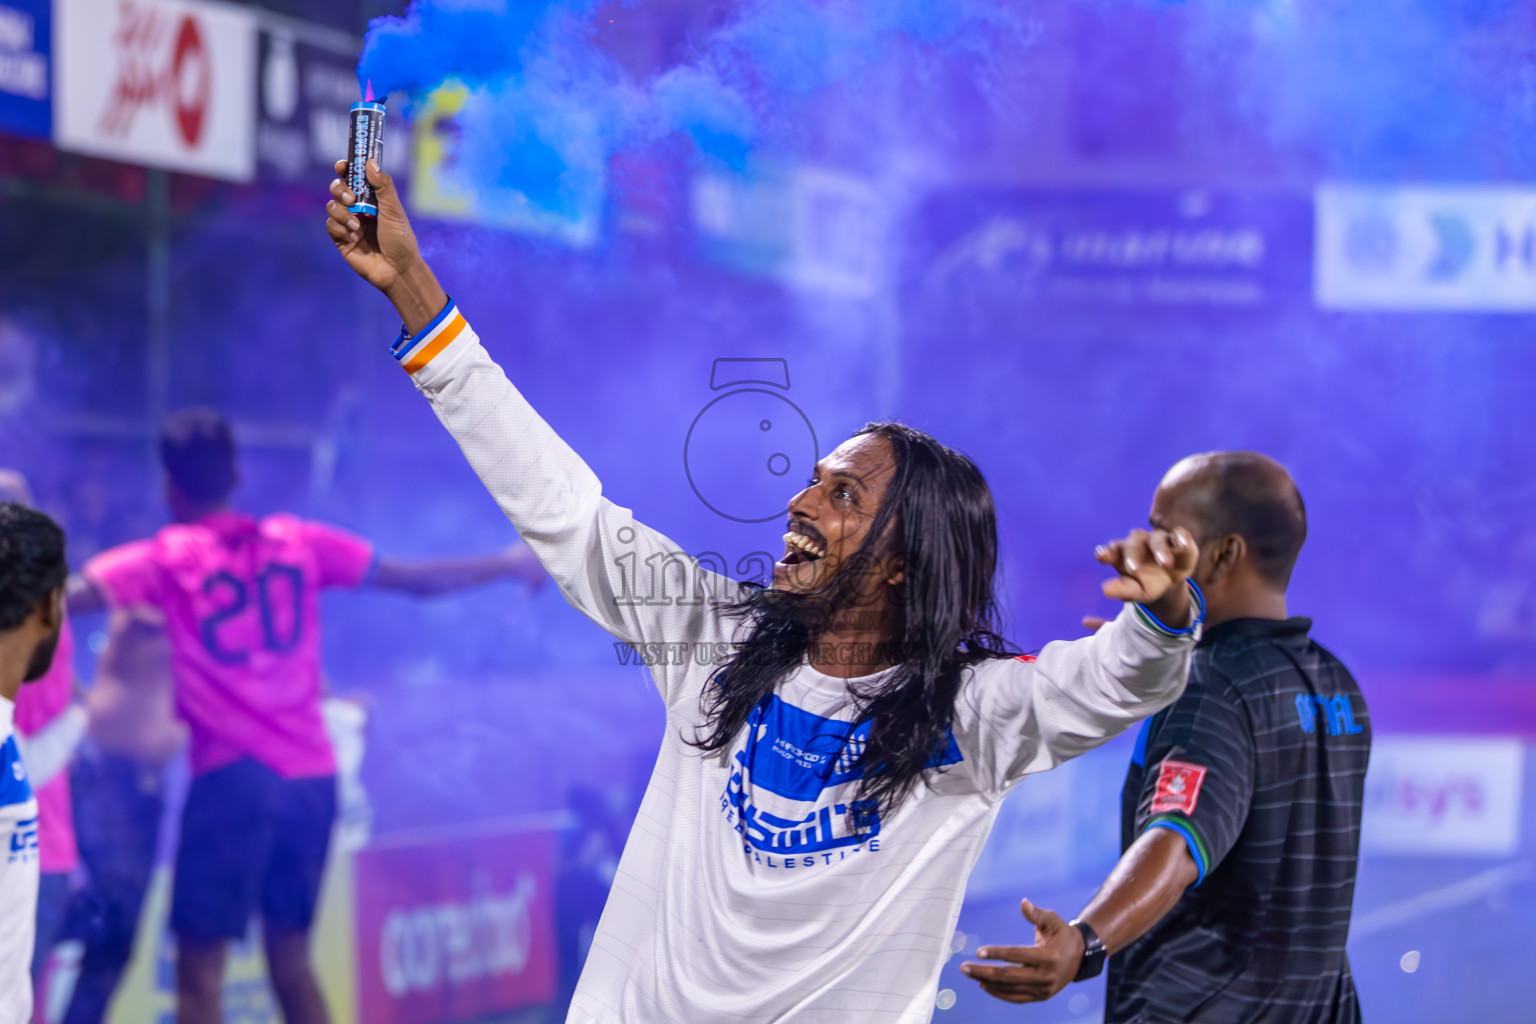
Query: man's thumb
[[1033, 914], [380, 181]]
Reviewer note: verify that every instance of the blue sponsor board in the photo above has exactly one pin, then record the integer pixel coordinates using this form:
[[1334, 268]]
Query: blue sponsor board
[[26, 93], [308, 81], [1127, 247]]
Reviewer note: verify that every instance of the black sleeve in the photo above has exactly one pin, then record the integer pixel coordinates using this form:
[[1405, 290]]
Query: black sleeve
[[1200, 771]]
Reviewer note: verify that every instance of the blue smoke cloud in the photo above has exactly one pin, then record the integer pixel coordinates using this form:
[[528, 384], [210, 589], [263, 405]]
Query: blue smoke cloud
[[1422, 88], [1391, 87], [550, 106]]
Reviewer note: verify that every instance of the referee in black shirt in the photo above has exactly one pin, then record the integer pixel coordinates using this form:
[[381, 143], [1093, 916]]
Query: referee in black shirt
[[1240, 822]]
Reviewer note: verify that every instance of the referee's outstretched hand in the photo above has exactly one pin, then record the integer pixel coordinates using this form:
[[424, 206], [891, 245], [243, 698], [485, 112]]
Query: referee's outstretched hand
[[1033, 973]]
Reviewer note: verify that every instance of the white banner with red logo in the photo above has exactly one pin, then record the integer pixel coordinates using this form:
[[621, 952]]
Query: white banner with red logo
[[455, 927], [159, 82]]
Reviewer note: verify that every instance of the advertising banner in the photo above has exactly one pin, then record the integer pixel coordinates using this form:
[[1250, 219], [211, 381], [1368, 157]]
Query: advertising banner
[[308, 80], [1136, 247], [1444, 795], [26, 98], [1459, 249], [455, 926], [163, 83]]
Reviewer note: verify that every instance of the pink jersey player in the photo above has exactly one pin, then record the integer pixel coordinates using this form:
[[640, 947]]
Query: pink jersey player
[[241, 600]]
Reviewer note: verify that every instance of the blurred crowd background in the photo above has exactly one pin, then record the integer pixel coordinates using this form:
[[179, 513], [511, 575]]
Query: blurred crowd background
[[1077, 239]]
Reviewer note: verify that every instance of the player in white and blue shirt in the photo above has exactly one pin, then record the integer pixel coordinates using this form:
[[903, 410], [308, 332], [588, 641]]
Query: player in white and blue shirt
[[32, 574], [18, 875], [769, 877]]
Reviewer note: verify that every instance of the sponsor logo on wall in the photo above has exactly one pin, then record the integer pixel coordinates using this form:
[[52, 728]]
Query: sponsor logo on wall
[[26, 106], [1470, 249], [157, 82], [455, 927], [1444, 795], [1141, 248], [308, 81]]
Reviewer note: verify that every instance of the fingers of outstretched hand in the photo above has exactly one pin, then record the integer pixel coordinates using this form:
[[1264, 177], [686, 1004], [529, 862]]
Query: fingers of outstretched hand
[[1125, 588], [1186, 553], [1017, 984], [1027, 993], [1127, 555], [1043, 919], [1002, 974], [1109, 553], [1175, 550], [1135, 552], [1144, 562], [1025, 958]]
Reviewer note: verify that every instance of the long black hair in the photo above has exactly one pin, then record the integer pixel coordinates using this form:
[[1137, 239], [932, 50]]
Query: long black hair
[[938, 514]]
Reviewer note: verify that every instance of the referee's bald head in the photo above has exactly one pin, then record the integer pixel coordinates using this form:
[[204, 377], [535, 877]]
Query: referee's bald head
[[1246, 494]]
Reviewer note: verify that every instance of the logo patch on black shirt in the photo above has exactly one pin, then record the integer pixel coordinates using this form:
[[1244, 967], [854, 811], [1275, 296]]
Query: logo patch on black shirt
[[1178, 787]]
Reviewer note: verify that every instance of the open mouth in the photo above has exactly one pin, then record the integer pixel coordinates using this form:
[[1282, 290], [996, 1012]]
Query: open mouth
[[802, 544]]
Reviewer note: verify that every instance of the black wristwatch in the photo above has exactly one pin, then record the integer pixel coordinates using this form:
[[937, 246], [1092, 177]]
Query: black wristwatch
[[1093, 952]]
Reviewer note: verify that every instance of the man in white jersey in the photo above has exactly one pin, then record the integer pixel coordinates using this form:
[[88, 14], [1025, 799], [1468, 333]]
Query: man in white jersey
[[32, 574], [837, 745]]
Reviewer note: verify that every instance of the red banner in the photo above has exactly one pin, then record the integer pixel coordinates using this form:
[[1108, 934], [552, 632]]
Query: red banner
[[455, 927]]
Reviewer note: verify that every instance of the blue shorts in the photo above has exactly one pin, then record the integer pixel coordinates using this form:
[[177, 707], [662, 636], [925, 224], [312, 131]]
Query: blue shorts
[[251, 840]]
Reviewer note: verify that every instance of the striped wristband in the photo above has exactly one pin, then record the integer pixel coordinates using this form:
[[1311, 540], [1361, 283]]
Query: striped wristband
[[1155, 624], [415, 352]]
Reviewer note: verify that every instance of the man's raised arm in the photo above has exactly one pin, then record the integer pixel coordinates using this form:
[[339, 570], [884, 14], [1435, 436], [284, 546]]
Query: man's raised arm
[[1032, 713], [593, 549]]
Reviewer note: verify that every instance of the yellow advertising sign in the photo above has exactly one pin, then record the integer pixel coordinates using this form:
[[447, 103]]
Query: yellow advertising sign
[[441, 187]]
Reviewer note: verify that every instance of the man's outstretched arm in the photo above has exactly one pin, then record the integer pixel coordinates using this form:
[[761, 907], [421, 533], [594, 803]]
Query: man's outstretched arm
[[629, 579], [1196, 790], [82, 597], [1144, 886], [435, 577], [1031, 714]]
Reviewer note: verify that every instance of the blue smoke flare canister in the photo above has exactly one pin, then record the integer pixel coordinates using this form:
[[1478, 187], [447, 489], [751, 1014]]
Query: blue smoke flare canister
[[365, 141]]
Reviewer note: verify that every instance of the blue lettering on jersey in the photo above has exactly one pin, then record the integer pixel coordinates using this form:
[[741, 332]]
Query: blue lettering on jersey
[[23, 846], [1337, 714], [796, 755], [15, 787]]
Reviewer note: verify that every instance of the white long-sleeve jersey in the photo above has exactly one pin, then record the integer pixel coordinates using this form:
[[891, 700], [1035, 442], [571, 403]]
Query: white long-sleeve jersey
[[742, 895], [18, 876]]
